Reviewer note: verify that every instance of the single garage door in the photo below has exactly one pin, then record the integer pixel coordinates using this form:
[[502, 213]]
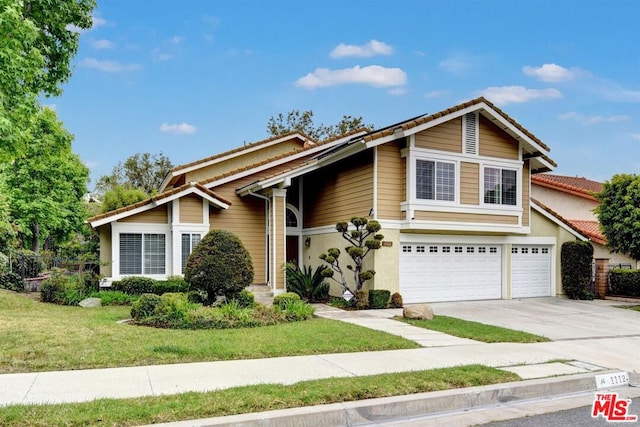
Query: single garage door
[[450, 272], [530, 271]]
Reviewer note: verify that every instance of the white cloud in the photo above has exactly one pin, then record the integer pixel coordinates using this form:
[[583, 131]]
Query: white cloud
[[373, 75], [635, 136], [398, 91], [592, 120], [181, 129], [373, 48], [457, 64], [108, 66], [102, 44], [436, 94], [553, 73], [177, 39], [160, 56], [504, 95]]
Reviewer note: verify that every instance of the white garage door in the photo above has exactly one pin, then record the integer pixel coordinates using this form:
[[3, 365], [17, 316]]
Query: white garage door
[[451, 272], [530, 271]]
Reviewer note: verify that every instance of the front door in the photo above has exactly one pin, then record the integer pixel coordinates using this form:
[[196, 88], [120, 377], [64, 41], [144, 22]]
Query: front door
[[292, 249]]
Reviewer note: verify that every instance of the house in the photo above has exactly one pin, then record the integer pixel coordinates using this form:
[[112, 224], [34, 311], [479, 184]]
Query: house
[[572, 200], [451, 191]]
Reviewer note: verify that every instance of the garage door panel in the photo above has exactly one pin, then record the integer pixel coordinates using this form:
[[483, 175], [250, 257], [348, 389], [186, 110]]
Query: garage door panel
[[530, 271], [452, 272]]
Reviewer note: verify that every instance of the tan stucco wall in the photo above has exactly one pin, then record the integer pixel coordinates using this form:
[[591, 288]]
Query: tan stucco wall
[[105, 250], [566, 205]]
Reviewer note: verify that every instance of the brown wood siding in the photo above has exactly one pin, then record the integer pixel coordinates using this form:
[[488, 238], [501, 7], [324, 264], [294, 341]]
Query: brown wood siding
[[245, 218], [156, 215], [495, 142], [443, 137], [279, 206], [242, 161], [526, 197], [391, 177], [469, 183], [465, 217], [339, 192], [191, 209]]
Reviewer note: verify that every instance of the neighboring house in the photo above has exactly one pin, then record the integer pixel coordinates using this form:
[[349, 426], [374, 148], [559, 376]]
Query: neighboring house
[[451, 191], [572, 200]]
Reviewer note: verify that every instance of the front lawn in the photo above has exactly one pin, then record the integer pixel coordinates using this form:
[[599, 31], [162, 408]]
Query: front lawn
[[147, 410], [44, 337], [474, 330]]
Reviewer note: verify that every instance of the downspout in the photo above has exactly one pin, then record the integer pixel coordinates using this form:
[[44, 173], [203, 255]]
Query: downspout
[[270, 250]]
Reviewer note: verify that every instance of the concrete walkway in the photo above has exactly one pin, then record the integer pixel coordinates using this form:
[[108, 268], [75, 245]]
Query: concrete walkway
[[439, 350]]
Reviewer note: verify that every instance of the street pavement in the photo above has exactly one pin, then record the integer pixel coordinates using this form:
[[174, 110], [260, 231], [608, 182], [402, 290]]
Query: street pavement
[[590, 338]]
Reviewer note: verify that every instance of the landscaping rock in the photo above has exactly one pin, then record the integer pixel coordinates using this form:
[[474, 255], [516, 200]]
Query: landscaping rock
[[91, 302], [418, 311]]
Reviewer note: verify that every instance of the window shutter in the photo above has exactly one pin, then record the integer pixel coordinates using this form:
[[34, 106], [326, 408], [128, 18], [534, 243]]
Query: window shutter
[[470, 133]]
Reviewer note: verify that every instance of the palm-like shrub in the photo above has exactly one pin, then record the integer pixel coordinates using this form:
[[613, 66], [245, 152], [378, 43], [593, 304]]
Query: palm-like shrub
[[219, 265], [308, 283]]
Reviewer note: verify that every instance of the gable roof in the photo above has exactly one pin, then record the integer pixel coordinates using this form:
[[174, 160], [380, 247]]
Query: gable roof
[[157, 200], [578, 186], [537, 149], [304, 140]]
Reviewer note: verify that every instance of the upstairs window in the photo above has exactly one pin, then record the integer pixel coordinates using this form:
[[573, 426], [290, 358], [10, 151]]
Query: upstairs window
[[435, 180], [500, 186]]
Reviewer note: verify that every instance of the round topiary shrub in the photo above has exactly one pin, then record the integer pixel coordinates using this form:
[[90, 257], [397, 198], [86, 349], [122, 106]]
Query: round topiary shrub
[[220, 265], [145, 306], [282, 300]]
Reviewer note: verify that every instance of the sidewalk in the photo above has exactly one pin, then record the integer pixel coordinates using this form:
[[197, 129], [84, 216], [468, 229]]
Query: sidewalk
[[439, 351]]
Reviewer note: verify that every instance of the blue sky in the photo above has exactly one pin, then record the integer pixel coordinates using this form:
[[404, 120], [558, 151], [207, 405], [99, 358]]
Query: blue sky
[[194, 78]]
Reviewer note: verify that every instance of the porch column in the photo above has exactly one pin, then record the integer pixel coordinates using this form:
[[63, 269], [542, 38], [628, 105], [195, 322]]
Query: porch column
[[602, 277], [278, 231]]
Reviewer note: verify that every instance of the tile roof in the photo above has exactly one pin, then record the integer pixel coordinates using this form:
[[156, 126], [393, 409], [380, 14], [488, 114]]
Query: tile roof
[[590, 229], [156, 198], [587, 228], [575, 185]]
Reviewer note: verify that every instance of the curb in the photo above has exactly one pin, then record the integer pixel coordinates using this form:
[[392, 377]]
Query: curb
[[398, 407]]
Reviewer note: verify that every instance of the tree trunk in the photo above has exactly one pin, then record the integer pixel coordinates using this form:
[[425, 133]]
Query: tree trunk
[[35, 231]]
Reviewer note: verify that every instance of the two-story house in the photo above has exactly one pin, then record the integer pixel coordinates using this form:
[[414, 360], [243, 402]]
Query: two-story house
[[451, 191]]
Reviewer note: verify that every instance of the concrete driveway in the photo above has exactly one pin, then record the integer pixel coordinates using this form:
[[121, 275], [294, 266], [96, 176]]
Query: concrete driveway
[[554, 318]]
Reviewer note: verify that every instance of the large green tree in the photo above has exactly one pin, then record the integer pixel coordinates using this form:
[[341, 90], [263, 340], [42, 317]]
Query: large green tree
[[142, 171], [303, 122], [619, 214], [38, 40], [46, 184]]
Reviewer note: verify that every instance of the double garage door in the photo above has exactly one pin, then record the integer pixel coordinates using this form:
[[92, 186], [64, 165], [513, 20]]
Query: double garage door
[[464, 272]]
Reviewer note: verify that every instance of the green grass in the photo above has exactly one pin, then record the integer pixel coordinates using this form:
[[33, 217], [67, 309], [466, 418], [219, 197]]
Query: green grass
[[42, 337], [147, 410], [630, 307], [474, 330]]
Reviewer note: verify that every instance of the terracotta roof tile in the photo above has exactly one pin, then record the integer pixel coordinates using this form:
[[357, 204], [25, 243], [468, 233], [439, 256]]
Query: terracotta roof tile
[[590, 229], [156, 198], [578, 186]]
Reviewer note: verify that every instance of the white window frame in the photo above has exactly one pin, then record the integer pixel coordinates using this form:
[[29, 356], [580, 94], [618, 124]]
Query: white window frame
[[191, 246], [118, 228], [416, 155], [501, 167]]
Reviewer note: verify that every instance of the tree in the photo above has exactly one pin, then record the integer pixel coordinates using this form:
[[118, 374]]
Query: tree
[[39, 40], [363, 239], [46, 184], [120, 196], [141, 171], [619, 214], [303, 122]]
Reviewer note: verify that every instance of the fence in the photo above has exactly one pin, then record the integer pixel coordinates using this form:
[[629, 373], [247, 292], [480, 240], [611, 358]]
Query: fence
[[30, 266]]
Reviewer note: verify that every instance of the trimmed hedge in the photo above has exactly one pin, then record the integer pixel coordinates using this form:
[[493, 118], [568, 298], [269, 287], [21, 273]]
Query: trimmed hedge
[[624, 282], [134, 285], [379, 298], [282, 300], [12, 282], [576, 260]]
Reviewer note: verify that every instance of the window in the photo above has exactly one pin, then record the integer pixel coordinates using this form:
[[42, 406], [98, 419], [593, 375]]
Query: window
[[435, 180], [189, 241], [142, 253], [420, 249], [514, 250], [291, 218], [406, 249], [493, 250], [500, 186], [458, 249], [446, 249], [433, 249], [482, 250], [470, 249]]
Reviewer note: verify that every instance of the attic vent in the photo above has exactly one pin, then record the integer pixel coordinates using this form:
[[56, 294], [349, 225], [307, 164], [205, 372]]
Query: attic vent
[[470, 133]]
